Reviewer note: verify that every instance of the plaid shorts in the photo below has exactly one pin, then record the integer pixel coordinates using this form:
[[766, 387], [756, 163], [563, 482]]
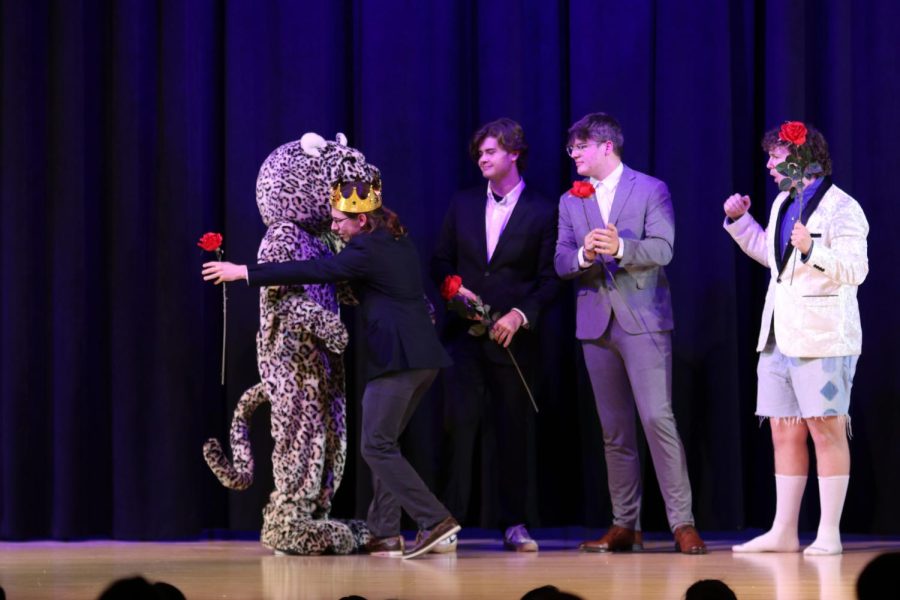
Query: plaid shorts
[[803, 387]]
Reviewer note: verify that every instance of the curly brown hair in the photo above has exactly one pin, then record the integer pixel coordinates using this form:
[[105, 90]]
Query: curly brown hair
[[815, 141], [510, 136]]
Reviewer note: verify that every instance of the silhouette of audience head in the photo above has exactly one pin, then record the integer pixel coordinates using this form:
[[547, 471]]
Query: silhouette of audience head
[[879, 576], [549, 592], [709, 589], [138, 588]]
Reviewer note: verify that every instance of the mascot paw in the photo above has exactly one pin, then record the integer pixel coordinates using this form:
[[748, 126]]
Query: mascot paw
[[337, 342]]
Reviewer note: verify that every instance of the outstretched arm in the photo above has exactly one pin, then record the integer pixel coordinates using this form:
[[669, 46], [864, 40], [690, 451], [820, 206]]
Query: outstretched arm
[[349, 264], [222, 272]]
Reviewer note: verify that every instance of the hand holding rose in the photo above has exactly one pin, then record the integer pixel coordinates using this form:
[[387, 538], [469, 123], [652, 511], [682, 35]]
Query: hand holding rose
[[800, 238], [601, 241], [452, 286], [220, 272], [506, 327], [464, 291], [608, 240]]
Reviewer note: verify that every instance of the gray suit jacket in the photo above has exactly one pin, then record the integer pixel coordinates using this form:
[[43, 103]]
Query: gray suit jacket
[[640, 298]]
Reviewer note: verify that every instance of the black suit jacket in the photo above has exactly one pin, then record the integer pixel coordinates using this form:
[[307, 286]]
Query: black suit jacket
[[520, 273], [385, 274]]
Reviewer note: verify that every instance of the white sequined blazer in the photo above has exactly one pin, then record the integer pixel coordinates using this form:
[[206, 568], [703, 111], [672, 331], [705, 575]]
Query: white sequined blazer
[[813, 302]]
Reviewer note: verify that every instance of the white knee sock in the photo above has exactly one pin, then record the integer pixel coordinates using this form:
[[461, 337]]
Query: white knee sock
[[832, 491], [782, 537]]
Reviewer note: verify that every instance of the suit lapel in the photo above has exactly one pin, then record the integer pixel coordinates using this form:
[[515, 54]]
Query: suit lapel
[[623, 192], [781, 255], [808, 209], [473, 221], [813, 203], [591, 211]]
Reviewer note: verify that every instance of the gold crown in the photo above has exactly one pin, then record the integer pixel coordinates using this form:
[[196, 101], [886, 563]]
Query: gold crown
[[354, 203]]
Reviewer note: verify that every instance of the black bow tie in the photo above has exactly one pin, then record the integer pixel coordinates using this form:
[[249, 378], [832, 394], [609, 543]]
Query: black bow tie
[[496, 197]]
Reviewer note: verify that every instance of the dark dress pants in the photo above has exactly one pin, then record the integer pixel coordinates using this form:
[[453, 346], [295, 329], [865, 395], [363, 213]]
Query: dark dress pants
[[489, 396], [388, 403]]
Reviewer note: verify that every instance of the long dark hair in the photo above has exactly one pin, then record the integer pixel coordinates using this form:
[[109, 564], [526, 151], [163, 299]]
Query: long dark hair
[[384, 218]]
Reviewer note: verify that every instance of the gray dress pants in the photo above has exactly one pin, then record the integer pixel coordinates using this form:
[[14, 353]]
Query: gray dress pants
[[631, 372]]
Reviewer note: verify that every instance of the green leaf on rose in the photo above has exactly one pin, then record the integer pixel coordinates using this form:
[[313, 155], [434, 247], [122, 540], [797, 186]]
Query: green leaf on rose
[[785, 184], [477, 329]]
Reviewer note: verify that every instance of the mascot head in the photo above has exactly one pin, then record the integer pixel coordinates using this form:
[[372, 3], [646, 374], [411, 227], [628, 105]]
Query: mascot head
[[295, 182]]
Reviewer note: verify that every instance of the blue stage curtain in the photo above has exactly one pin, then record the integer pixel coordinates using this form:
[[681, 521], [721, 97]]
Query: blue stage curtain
[[128, 128]]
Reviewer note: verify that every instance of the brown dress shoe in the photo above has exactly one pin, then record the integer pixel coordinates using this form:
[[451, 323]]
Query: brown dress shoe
[[437, 534], [687, 540], [617, 539], [389, 546]]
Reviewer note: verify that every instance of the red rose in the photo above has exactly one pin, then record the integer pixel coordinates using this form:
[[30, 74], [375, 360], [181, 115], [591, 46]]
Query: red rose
[[582, 189], [210, 241], [451, 285], [793, 132]]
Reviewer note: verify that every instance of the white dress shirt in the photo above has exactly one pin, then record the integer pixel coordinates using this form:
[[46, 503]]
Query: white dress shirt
[[606, 190], [497, 213], [496, 216], [605, 193]]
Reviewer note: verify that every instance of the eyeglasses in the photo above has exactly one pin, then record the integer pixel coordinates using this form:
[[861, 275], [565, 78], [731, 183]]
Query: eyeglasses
[[340, 220], [570, 150]]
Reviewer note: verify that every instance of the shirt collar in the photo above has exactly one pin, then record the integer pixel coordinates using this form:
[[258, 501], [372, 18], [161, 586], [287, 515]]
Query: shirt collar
[[510, 198], [809, 190], [611, 181]]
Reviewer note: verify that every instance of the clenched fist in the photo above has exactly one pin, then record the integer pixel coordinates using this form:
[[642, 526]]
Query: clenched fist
[[736, 205]]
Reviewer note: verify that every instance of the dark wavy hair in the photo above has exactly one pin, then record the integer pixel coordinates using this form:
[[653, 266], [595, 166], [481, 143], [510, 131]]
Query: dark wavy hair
[[599, 127], [510, 136], [384, 218], [814, 140]]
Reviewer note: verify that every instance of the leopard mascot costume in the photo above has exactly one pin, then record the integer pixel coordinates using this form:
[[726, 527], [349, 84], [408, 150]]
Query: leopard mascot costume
[[299, 348]]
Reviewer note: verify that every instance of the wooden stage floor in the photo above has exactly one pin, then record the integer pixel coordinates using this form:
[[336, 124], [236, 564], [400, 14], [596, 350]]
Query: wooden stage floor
[[243, 569]]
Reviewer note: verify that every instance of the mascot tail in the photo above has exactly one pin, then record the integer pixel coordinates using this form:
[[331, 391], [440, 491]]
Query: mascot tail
[[240, 475]]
